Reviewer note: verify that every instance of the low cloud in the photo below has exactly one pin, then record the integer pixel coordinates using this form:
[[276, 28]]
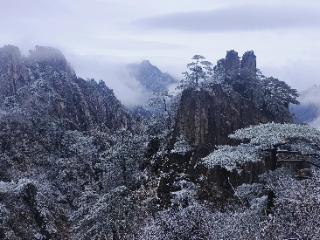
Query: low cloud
[[300, 74], [126, 88], [237, 18]]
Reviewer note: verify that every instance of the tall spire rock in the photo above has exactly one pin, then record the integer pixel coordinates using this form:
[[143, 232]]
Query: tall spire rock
[[13, 74], [248, 65], [237, 100], [232, 64]]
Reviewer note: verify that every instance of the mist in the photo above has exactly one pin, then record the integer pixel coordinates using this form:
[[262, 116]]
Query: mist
[[115, 74], [100, 37], [309, 108]]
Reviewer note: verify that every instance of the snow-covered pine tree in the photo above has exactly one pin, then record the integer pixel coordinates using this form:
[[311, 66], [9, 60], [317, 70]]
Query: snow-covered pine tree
[[271, 137], [198, 74]]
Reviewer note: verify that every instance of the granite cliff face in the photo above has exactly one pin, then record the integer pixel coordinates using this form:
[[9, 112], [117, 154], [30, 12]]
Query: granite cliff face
[[207, 116], [74, 164], [13, 75], [43, 84], [55, 133]]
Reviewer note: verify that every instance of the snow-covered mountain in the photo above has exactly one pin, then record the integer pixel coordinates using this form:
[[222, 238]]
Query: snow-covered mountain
[[76, 164], [150, 76]]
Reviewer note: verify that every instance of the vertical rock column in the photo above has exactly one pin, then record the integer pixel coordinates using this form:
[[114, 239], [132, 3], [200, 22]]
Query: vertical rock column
[[248, 65]]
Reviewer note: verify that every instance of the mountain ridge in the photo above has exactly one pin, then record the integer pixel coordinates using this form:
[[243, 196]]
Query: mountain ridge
[[56, 90], [150, 76]]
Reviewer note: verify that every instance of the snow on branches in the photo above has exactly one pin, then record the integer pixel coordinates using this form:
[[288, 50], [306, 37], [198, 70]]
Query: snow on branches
[[300, 139], [231, 157], [270, 134], [181, 145], [198, 73]]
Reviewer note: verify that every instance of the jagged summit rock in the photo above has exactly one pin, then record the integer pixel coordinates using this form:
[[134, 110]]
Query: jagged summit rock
[[232, 64], [237, 99], [50, 56], [10, 51], [150, 77], [56, 132], [13, 73], [43, 84], [146, 63], [47, 53], [248, 65]]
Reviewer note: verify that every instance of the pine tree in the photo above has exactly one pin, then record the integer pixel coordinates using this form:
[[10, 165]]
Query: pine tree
[[198, 74]]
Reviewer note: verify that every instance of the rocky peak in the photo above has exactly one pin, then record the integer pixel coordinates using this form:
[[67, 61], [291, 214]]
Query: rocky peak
[[150, 76], [236, 101], [10, 51], [146, 63], [44, 86], [43, 53], [48, 56], [248, 64], [246, 67], [232, 64], [13, 73]]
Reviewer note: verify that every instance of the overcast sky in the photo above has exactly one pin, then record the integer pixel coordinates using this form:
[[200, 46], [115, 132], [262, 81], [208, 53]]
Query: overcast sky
[[284, 34]]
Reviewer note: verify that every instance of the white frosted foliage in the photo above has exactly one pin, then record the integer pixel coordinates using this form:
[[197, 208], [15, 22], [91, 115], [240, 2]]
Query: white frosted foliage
[[231, 157]]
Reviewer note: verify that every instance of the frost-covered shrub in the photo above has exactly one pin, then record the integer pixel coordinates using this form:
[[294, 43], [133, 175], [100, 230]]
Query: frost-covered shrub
[[110, 216], [270, 134], [296, 211], [232, 157], [270, 137], [181, 145]]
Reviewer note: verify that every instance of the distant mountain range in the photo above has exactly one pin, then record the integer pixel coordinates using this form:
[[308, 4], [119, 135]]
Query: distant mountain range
[[150, 76]]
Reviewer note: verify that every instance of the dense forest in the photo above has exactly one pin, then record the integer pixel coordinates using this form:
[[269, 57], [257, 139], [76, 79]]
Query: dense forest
[[219, 158]]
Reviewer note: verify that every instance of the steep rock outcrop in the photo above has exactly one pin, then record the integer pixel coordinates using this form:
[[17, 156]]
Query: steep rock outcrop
[[219, 183], [248, 65], [237, 98], [208, 117], [13, 73], [232, 64], [26, 214], [44, 85], [59, 138]]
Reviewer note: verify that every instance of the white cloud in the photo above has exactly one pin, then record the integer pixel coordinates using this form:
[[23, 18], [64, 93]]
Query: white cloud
[[102, 29], [237, 18]]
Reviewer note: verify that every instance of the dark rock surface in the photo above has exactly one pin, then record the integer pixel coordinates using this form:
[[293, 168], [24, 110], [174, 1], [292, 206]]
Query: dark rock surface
[[44, 84], [248, 65], [208, 117], [55, 131], [232, 64], [75, 164]]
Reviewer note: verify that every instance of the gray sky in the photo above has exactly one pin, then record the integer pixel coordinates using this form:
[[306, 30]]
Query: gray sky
[[284, 34]]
